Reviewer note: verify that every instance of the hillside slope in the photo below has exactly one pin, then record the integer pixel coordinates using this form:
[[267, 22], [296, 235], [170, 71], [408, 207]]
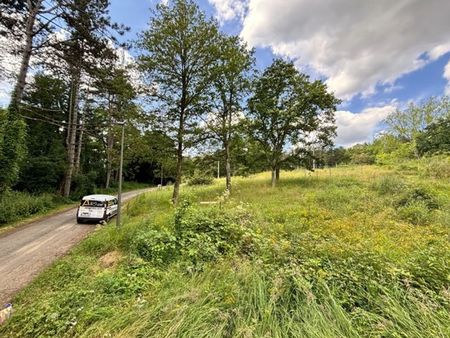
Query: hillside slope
[[348, 252]]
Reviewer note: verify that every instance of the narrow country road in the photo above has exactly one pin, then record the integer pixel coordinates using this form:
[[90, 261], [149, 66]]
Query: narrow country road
[[26, 251]]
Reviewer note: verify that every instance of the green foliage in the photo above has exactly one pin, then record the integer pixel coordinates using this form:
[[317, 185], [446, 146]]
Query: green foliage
[[407, 124], [390, 185], [199, 179], [419, 194], [41, 174], [362, 154], [198, 236], [156, 246], [416, 212], [207, 234], [413, 204], [323, 255], [287, 107], [12, 149], [401, 151], [436, 137], [180, 53], [18, 205], [334, 156], [83, 185], [437, 167]]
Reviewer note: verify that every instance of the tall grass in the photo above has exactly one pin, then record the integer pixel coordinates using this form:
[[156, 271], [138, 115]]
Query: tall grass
[[326, 254], [15, 206]]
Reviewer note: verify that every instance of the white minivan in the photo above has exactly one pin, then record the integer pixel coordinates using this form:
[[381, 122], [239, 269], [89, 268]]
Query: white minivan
[[97, 208]]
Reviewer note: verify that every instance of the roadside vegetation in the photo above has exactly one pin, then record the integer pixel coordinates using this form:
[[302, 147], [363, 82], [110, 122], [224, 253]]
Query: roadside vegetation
[[16, 206], [300, 239], [359, 251]]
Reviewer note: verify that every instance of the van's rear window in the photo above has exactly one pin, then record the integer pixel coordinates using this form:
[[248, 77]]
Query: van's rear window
[[87, 203]]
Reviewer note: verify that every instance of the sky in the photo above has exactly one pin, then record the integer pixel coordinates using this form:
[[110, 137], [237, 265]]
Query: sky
[[376, 56]]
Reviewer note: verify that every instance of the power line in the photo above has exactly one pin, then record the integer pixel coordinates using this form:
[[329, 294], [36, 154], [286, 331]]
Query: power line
[[93, 124], [61, 126]]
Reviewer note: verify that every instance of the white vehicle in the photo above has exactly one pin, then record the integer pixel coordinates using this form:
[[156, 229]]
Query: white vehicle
[[97, 208]]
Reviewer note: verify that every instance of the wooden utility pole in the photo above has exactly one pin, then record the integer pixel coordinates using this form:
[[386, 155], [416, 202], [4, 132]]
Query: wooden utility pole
[[119, 196]]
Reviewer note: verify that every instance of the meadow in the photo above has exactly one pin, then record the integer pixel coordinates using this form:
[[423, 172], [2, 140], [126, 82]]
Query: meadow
[[359, 251]]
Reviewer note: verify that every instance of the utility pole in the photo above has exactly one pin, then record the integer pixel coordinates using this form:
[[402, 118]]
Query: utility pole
[[119, 196]]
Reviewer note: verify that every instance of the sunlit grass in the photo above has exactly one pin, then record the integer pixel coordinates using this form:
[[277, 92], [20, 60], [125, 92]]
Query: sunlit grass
[[335, 258]]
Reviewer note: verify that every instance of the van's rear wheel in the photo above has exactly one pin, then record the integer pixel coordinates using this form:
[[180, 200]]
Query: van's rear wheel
[[79, 220]]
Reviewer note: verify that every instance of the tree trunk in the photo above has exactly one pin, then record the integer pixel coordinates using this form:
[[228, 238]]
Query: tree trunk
[[109, 145], [228, 165], [274, 179], [17, 93], [13, 147], [79, 149], [109, 149], [72, 131], [176, 187], [180, 136], [277, 174]]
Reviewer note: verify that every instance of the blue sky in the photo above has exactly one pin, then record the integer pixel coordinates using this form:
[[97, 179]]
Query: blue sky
[[376, 56]]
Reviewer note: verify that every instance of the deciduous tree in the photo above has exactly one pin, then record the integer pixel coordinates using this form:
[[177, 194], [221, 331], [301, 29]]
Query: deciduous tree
[[231, 84], [180, 51], [287, 109]]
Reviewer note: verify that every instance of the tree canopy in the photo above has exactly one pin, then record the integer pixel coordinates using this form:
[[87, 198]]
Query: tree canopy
[[288, 110]]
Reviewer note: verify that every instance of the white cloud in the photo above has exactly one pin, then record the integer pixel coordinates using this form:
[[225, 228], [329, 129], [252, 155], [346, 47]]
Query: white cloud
[[447, 77], [360, 127], [9, 65], [229, 9], [355, 44]]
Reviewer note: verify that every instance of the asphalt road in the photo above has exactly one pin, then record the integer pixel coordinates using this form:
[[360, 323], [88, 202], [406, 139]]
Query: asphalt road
[[27, 250]]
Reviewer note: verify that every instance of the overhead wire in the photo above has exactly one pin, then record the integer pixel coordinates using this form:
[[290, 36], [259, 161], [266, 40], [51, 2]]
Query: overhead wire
[[88, 132]]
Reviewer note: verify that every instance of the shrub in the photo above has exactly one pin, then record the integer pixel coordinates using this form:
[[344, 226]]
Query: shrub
[[198, 179], [156, 246], [206, 234], [437, 167], [17, 205], [390, 185], [83, 185], [198, 236], [415, 212], [419, 194], [415, 205]]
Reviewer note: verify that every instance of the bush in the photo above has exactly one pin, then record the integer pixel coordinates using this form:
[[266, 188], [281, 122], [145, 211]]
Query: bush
[[198, 179], [156, 246], [18, 205], [419, 194], [415, 205], [390, 185], [206, 234], [83, 185], [198, 236], [415, 212], [437, 167]]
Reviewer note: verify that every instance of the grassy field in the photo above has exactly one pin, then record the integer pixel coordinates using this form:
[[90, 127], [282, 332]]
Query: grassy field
[[346, 252]]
